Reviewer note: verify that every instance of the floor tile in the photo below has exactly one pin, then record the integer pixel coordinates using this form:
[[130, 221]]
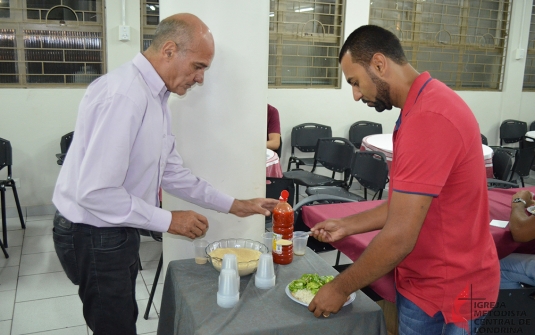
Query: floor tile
[[14, 257], [36, 244], [13, 223], [150, 251], [146, 326], [38, 228], [7, 301], [5, 327], [43, 286], [78, 330], [47, 314], [8, 278], [44, 262], [149, 272], [39, 218], [14, 238], [157, 300], [141, 289]]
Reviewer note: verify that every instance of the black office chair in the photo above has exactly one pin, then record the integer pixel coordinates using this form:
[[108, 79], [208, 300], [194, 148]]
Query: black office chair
[[333, 153], [369, 168], [512, 131], [524, 158], [502, 163], [299, 225], [361, 129], [157, 236], [6, 160], [304, 138], [64, 145], [274, 187], [484, 140], [532, 126]]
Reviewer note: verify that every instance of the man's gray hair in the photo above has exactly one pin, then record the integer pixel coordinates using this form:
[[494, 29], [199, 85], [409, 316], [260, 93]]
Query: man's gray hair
[[175, 30]]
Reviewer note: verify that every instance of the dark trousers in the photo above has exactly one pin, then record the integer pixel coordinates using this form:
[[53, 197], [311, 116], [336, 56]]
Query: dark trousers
[[103, 262]]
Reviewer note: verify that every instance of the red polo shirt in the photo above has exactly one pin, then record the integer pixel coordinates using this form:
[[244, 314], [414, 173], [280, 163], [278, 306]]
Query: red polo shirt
[[454, 266]]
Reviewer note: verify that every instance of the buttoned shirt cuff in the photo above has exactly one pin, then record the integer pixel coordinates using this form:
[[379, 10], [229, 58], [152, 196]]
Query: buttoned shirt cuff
[[160, 221]]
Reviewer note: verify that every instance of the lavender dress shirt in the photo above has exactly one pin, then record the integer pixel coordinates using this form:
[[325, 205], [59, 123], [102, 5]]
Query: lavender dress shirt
[[123, 151]]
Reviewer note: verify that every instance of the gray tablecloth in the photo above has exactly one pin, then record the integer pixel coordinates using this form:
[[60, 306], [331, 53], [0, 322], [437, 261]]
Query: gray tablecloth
[[189, 304]]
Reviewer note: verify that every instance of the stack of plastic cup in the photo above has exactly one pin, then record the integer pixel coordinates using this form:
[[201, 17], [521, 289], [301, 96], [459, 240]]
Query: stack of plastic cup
[[230, 261], [228, 294], [265, 273], [267, 239]]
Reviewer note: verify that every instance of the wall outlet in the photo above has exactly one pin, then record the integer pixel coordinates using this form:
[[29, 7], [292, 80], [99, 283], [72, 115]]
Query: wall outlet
[[17, 182], [519, 53], [124, 33]]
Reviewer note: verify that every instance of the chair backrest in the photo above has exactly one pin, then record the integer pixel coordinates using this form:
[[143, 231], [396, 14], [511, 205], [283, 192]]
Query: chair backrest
[[299, 225], [512, 131], [361, 129], [306, 135], [484, 140], [502, 163], [65, 142], [532, 126], [370, 169], [274, 187], [335, 154], [524, 160], [6, 157]]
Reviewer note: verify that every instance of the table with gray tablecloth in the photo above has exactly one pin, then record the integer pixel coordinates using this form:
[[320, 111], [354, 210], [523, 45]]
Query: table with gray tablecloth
[[189, 304]]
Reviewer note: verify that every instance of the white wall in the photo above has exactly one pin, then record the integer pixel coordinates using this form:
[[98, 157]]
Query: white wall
[[220, 126], [34, 119]]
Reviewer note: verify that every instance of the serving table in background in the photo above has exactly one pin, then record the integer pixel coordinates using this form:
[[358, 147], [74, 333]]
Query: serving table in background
[[353, 246], [189, 304], [383, 143]]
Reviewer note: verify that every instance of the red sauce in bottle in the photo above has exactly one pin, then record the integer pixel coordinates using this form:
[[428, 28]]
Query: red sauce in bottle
[[283, 229]]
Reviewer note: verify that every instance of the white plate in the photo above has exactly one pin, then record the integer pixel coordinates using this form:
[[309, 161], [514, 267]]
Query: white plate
[[289, 294], [531, 209]]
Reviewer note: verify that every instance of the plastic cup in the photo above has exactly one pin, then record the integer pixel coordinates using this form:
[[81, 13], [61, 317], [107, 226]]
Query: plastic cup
[[267, 239], [300, 242], [228, 294], [230, 261], [265, 273], [200, 251]]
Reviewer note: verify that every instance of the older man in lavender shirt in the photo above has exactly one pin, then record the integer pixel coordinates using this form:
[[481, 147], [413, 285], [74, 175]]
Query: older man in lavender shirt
[[123, 151]]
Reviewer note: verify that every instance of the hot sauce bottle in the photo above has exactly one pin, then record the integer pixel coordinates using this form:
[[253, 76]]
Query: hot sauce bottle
[[283, 230]]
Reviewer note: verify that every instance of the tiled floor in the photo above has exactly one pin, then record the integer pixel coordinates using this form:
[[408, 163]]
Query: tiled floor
[[37, 298]]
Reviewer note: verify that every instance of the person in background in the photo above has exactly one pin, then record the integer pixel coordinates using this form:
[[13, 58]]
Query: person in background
[[123, 151], [434, 229], [273, 129], [517, 269]]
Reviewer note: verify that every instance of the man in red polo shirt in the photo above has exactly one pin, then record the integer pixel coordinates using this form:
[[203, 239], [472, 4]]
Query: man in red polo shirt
[[435, 225]]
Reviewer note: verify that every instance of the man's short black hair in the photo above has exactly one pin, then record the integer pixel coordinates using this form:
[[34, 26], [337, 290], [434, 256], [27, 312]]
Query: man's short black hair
[[366, 41]]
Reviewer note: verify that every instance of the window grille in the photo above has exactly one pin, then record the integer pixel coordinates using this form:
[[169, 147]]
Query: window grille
[[529, 72], [305, 38], [150, 17], [460, 42], [58, 42]]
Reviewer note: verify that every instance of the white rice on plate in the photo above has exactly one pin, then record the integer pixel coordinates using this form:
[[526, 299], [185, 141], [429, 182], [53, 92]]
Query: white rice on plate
[[304, 296]]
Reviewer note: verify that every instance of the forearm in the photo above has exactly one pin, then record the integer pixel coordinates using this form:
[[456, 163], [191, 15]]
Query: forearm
[[372, 219], [383, 254]]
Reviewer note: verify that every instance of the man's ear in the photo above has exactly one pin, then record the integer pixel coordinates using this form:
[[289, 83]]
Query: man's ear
[[168, 49], [379, 63]]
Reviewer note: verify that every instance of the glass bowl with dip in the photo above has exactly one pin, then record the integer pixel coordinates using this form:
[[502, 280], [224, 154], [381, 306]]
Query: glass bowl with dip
[[247, 252]]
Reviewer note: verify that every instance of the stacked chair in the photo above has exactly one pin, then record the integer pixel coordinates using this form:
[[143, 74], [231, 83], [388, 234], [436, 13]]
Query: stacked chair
[[304, 138], [361, 129], [6, 161]]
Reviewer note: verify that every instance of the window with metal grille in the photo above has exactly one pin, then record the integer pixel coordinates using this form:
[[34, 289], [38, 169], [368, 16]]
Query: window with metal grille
[[304, 41], [460, 42], [150, 17], [51, 42], [529, 71]]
